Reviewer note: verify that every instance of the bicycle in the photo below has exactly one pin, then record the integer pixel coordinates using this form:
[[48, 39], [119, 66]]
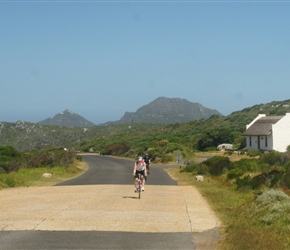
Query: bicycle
[[139, 185], [148, 168]]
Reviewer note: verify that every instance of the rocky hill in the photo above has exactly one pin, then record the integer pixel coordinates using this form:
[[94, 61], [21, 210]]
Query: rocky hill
[[167, 111], [68, 119], [31, 136]]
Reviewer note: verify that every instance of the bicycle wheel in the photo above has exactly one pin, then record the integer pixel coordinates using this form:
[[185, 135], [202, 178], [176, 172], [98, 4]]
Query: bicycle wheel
[[139, 188]]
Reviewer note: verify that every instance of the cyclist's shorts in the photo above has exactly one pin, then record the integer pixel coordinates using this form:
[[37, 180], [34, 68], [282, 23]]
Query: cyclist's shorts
[[139, 172]]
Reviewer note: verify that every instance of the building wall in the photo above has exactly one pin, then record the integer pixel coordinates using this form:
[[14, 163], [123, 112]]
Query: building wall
[[266, 143], [252, 142], [281, 134]]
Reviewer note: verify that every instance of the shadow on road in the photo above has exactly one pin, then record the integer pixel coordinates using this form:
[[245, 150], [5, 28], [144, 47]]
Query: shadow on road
[[131, 197]]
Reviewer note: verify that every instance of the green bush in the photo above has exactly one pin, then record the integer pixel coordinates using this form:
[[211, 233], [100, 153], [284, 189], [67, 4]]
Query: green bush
[[35, 159], [118, 149], [171, 147], [271, 158], [264, 167], [285, 181], [8, 158], [254, 153], [166, 158], [42, 159], [244, 183], [212, 137], [202, 169], [286, 165], [79, 158], [189, 168], [234, 173], [218, 165], [7, 180], [270, 179], [9, 151], [246, 165]]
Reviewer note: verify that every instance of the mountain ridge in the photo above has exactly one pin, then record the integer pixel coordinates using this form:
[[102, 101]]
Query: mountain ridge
[[165, 110], [162, 110], [32, 136], [67, 118]]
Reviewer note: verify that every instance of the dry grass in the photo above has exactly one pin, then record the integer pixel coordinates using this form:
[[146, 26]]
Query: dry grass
[[201, 156]]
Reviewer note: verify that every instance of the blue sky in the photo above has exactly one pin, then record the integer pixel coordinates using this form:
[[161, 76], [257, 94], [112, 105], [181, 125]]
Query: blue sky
[[101, 59]]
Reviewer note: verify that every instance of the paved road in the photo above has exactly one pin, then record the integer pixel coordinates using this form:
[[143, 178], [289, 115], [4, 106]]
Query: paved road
[[110, 170], [99, 210]]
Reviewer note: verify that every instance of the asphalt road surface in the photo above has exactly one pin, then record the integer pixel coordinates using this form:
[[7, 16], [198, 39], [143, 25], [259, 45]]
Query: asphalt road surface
[[108, 170], [99, 210]]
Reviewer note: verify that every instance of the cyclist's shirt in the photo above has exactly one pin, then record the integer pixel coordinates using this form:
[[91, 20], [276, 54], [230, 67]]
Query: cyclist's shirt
[[140, 166], [146, 160]]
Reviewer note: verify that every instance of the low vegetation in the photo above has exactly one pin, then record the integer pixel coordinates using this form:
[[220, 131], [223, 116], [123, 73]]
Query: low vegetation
[[250, 196], [27, 169]]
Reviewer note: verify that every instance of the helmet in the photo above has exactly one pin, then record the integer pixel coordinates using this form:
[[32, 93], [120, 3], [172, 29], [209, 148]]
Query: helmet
[[140, 158]]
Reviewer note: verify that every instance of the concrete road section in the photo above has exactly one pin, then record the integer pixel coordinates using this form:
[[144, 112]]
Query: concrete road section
[[113, 208]]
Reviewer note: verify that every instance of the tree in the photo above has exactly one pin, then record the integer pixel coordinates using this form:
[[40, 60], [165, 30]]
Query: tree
[[214, 137]]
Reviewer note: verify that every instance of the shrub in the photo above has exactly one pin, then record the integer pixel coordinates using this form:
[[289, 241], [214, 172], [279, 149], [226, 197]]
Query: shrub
[[162, 143], [270, 179], [189, 168], [264, 167], [217, 165], [166, 158], [234, 173], [43, 159], [246, 165], [7, 180], [272, 206], [79, 158], [213, 148], [285, 181], [202, 169], [254, 153], [244, 183], [271, 158], [9, 151], [118, 149], [171, 147]]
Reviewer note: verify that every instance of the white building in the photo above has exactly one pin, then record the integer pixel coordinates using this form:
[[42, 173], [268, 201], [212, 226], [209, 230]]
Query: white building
[[268, 133]]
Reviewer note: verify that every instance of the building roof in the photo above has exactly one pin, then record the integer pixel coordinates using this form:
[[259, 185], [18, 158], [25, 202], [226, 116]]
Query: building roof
[[262, 126]]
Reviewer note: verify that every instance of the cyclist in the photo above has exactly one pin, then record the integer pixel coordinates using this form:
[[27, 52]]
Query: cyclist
[[147, 162], [139, 168]]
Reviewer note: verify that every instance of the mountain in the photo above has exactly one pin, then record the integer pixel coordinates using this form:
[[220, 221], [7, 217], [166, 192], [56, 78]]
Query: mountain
[[67, 119], [30, 136], [167, 111]]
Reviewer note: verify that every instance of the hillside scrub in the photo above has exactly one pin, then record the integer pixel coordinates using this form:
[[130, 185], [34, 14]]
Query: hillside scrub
[[196, 135], [20, 169], [12, 160], [269, 170], [255, 212], [250, 219]]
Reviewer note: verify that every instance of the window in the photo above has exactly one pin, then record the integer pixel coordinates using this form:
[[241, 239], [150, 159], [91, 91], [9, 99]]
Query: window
[[266, 141], [250, 141]]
